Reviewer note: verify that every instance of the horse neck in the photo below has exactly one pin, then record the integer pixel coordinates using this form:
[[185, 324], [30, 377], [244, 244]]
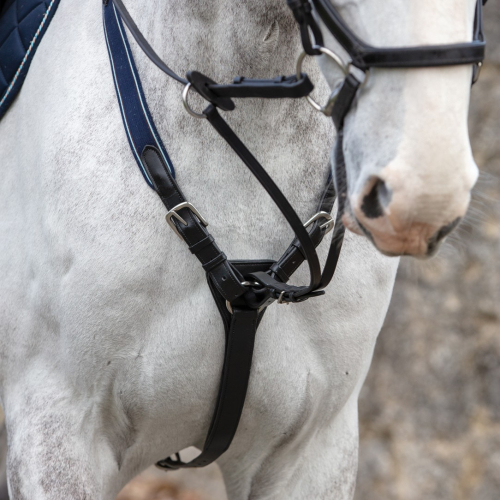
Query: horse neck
[[223, 40]]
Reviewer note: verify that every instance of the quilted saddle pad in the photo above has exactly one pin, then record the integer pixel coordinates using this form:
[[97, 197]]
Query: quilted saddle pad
[[22, 25]]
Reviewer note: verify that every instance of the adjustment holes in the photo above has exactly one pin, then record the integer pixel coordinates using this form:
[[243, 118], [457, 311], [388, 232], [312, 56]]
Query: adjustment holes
[[224, 278]]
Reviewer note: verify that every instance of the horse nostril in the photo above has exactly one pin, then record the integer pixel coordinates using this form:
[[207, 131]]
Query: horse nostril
[[433, 242], [377, 199], [446, 230]]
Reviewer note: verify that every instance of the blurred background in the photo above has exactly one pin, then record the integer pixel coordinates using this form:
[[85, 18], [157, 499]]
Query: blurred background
[[430, 407]]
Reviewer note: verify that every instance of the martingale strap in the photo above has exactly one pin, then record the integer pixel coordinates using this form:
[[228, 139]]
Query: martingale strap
[[241, 303], [318, 280]]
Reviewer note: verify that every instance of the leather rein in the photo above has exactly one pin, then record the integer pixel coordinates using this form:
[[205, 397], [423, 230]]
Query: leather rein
[[243, 290]]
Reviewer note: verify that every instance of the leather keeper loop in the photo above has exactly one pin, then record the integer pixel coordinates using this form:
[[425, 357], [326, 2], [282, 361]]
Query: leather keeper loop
[[200, 245], [280, 272], [212, 264]]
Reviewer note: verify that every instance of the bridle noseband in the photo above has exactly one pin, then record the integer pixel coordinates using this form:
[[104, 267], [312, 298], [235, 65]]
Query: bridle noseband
[[364, 56], [241, 289]]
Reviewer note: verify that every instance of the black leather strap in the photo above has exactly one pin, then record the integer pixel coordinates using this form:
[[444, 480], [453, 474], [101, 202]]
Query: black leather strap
[[344, 100], [365, 56], [281, 87], [232, 390], [339, 229], [302, 11], [199, 241], [294, 256], [143, 43], [318, 280], [283, 204]]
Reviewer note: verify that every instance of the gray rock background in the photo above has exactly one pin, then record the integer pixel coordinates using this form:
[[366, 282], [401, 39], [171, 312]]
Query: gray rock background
[[430, 407]]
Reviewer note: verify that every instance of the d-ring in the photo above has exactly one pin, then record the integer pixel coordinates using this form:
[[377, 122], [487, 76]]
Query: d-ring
[[345, 68], [185, 93]]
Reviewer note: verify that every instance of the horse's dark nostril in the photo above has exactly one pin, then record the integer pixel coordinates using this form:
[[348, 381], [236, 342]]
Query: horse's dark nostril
[[446, 230], [376, 200], [433, 242]]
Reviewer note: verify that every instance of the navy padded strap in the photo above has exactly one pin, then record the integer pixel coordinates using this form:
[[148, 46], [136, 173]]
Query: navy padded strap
[[137, 120]]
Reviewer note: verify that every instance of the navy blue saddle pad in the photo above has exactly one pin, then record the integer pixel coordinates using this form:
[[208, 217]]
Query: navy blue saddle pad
[[22, 25]]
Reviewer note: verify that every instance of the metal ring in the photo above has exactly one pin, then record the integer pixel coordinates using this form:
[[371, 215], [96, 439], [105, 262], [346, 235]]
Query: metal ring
[[327, 52], [185, 93], [345, 67]]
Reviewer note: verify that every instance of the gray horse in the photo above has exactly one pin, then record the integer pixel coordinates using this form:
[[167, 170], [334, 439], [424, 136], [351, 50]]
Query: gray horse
[[110, 344]]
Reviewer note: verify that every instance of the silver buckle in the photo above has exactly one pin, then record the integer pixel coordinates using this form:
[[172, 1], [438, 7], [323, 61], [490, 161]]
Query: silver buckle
[[322, 215], [173, 213]]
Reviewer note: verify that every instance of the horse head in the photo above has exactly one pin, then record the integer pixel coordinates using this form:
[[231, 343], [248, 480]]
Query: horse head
[[408, 161]]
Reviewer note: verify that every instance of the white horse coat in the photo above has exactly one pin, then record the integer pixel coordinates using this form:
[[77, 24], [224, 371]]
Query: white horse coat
[[110, 344]]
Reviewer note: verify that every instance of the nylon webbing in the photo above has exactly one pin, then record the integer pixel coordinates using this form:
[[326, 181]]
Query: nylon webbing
[[137, 120]]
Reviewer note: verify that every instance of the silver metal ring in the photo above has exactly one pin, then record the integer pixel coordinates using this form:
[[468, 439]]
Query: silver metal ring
[[185, 93], [345, 67]]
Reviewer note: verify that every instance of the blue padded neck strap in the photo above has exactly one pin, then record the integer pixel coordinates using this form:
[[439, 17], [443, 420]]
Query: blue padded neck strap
[[137, 119]]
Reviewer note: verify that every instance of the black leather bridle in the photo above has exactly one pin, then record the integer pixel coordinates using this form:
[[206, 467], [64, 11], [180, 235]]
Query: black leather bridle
[[243, 290], [365, 56]]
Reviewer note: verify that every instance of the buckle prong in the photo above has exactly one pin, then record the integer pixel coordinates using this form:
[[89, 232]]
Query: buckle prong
[[280, 299], [173, 214]]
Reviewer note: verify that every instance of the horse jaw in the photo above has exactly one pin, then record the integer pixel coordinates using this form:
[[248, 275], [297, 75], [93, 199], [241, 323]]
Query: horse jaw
[[408, 157]]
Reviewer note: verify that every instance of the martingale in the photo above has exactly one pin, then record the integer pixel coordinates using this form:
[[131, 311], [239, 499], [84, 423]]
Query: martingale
[[243, 290]]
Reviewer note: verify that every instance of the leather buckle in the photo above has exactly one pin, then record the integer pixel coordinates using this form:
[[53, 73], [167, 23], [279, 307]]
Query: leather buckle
[[173, 214]]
